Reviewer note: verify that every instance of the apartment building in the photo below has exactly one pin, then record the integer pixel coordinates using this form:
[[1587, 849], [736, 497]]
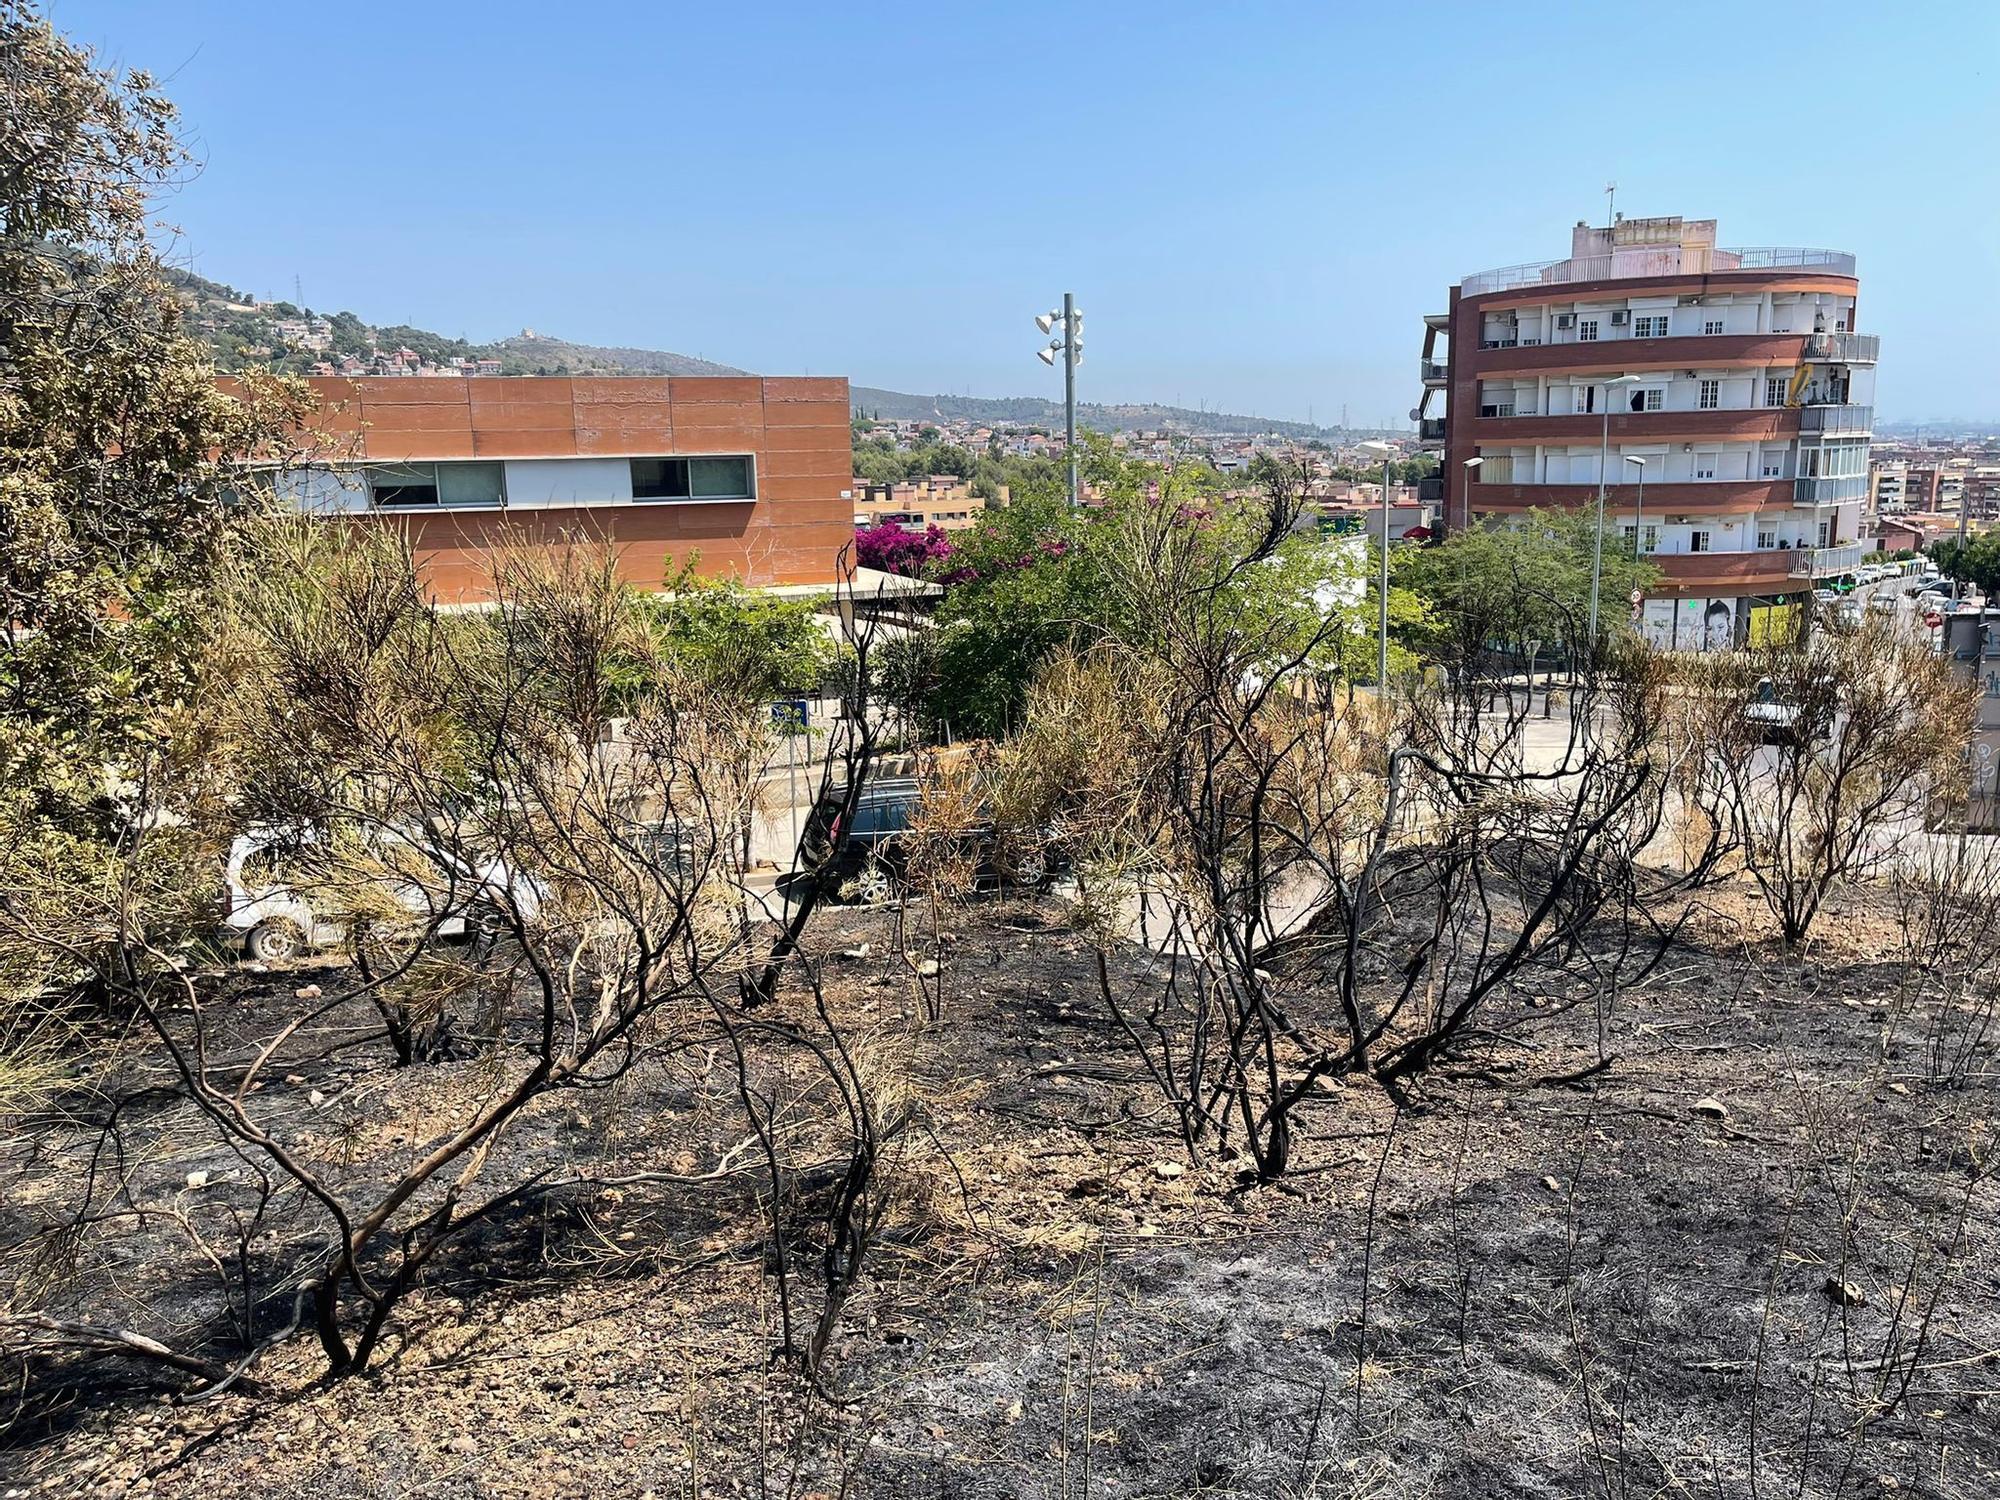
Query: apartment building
[[941, 500], [1734, 382], [741, 476]]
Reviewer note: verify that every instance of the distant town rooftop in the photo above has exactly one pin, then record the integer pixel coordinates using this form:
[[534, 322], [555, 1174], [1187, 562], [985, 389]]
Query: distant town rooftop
[[1666, 246]]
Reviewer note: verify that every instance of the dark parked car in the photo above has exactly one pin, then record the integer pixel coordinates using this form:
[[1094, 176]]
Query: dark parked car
[[872, 850]]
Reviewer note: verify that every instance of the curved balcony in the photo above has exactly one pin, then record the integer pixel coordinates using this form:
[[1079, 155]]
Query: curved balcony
[[1706, 351], [1843, 348], [1707, 497], [1739, 425], [1767, 570]]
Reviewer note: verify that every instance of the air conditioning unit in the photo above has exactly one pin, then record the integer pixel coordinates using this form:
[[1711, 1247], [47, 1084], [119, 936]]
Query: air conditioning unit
[[1565, 320], [1620, 318]]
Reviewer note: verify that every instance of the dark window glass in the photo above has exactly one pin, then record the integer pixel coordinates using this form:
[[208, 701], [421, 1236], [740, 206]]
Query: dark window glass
[[659, 479], [404, 484], [470, 484], [719, 478]]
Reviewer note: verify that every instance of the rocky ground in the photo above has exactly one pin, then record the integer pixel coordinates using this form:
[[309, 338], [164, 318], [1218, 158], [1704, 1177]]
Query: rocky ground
[[1764, 1230]]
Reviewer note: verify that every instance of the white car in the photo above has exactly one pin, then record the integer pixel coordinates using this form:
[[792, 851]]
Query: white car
[[274, 919]]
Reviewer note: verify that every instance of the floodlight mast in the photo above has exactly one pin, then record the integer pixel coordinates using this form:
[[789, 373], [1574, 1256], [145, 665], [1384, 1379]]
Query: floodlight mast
[[1070, 347]]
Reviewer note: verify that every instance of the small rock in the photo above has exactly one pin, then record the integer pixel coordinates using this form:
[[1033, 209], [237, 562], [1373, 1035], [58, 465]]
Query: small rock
[[295, 1079], [1552, 1184], [862, 951], [1846, 1293], [197, 1179], [927, 969], [1708, 1108], [316, 1099], [1167, 1171], [1899, 1088], [465, 1442], [306, 992]]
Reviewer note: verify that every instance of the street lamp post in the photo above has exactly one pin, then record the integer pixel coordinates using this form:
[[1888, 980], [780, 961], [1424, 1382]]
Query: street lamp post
[[1070, 347], [1603, 479], [1638, 509]]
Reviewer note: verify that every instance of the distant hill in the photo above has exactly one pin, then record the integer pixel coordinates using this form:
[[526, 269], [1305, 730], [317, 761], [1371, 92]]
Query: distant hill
[[241, 330], [1034, 411]]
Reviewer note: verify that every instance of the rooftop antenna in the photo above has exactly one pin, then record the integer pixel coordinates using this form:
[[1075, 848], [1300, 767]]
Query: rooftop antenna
[[1611, 202], [298, 291]]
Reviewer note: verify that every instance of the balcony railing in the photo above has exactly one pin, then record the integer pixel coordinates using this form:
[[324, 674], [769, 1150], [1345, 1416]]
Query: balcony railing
[[1430, 489], [1430, 430], [1827, 562], [1604, 267], [1433, 372], [1829, 420], [1844, 348], [1833, 491]]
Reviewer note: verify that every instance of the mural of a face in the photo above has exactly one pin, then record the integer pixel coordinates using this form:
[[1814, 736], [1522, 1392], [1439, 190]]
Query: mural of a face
[[1718, 626]]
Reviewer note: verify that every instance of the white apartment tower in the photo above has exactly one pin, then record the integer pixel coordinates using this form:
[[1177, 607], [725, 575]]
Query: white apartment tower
[[1734, 381]]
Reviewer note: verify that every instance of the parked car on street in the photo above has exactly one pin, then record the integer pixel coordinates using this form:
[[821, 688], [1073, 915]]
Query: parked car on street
[[282, 902], [872, 849]]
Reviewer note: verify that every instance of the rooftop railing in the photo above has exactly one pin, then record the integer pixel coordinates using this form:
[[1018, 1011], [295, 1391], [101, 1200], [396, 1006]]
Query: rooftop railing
[[1604, 267]]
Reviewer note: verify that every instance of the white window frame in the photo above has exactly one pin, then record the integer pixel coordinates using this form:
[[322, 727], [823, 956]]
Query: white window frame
[[1700, 541], [1586, 330], [1708, 396], [1775, 387], [1711, 325], [1705, 465], [1650, 326]]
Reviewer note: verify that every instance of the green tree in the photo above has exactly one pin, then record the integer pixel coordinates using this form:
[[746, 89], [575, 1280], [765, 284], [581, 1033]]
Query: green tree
[[1976, 562], [122, 498], [1499, 587], [752, 646]]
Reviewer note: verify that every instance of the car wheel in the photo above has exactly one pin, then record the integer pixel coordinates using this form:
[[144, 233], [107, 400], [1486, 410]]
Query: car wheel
[[873, 885], [1030, 869], [274, 942]]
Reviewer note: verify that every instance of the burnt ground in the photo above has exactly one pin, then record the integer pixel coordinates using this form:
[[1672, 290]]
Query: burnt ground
[[1604, 1287]]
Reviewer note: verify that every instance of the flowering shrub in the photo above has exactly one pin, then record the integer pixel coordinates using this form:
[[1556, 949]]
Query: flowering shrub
[[890, 548]]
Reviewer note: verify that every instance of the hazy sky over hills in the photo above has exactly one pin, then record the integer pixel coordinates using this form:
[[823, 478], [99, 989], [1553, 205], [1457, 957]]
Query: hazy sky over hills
[[1255, 204]]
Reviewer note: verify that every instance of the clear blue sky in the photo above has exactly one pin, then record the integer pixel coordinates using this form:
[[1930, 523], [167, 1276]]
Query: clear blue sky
[[1255, 204]]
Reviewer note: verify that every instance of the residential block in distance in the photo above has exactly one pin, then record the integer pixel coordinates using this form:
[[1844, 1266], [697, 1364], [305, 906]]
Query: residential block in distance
[[1739, 376], [745, 476]]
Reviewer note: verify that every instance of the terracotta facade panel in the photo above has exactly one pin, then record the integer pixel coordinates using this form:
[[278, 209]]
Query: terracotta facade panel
[[702, 390], [807, 414], [594, 390], [397, 447], [637, 440], [800, 388], [524, 442], [539, 389], [412, 390], [499, 416]]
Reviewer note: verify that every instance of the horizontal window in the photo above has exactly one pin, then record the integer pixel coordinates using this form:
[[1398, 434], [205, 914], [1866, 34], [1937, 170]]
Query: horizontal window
[[416, 485], [691, 479]]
